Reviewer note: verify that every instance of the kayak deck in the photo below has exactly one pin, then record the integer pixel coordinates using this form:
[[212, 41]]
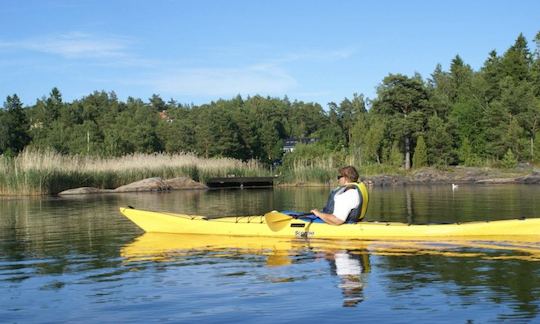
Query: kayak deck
[[162, 222]]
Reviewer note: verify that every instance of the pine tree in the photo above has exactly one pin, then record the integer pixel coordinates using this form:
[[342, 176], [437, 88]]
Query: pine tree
[[536, 147], [535, 68], [495, 123], [395, 156], [439, 141], [14, 126], [406, 101], [369, 132], [516, 61], [460, 76], [466, 154], [509, 160], [420, 158], [492, 74], [53, 106], [515, 140], [440, 87], [468, 118], [157, 103]]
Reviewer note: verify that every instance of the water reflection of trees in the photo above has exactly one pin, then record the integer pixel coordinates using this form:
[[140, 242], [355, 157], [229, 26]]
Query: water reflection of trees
[[515, 283], [54, 236], [439, 203]]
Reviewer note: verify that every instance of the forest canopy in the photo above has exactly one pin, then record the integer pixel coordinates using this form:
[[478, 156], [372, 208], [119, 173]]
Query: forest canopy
[[460, 116]]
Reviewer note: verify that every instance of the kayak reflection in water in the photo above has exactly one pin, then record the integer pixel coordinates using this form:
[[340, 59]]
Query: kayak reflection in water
[[352, 267], [348, 202]]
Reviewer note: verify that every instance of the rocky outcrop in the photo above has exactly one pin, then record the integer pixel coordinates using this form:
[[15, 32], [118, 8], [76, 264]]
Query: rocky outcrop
[[84, 191], [184, 183], [385, 180], [497, 181], [429, 175], [150, 184], [457, 175], [533, 178]]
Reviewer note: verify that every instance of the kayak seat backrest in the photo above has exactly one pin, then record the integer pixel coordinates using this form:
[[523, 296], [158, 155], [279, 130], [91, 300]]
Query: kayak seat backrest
[[365, 200]]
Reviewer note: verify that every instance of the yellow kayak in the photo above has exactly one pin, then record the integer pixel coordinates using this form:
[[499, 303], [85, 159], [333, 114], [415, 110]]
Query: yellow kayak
[[276, 224]]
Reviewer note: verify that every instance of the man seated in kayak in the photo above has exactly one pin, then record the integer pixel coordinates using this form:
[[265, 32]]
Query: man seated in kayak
[[345, 202]]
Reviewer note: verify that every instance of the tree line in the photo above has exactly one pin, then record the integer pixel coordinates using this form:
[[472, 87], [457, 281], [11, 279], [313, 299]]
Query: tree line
[[459, 116]]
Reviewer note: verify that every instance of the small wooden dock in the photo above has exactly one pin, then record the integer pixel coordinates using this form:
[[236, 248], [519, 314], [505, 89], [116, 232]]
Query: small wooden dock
[[240, 182]]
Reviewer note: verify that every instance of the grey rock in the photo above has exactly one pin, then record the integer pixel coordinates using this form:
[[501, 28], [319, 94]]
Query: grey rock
[[529, 179], [497, 181], [184, 183], [158, 184], [84, 191], [385, 180], [150, 184]]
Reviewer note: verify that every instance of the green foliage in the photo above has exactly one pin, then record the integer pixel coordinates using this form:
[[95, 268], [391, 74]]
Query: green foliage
[[312, 163], [305, 119], [439, 142], [368, 138], [14, 126], [177, 134], [492, 73], [536, 147], [515, 140], [468, 118], [441, 90], [466, 154], [307, 154], [495, 123], [464, 116], [461, 76], [509, 160], [407, 101], [157, 103], [346, 114], [420, 158], [517, 60], [395, 157]]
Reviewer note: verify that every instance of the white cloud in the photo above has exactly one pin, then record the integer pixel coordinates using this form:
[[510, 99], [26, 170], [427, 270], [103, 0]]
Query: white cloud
[[268, 77], [268, 73], [74, 45], [318, 55], [225, 81]]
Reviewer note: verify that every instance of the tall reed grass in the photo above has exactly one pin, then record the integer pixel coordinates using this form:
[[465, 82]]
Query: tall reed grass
[[323, 170], [39, 172]]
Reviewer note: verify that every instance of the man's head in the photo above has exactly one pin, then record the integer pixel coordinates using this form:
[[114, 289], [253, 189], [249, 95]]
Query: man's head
[[349, 172]]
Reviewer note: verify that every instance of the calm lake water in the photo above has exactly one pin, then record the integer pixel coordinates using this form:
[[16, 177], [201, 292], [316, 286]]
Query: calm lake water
[[78, 260]]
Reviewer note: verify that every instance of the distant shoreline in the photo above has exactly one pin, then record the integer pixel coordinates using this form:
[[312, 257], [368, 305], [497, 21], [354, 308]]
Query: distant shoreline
[[140, 181], [454, 175]]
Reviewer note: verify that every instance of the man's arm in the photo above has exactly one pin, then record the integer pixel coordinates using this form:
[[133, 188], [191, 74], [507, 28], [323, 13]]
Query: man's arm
[[327, 218]]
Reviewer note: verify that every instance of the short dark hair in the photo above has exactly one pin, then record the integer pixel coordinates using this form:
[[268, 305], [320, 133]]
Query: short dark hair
[[349, 172]]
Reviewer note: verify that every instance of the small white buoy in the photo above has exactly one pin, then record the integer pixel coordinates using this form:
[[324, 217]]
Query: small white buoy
[[454, 186]]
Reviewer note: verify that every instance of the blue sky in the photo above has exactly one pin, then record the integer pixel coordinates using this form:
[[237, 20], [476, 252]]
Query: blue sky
[[199, 51]]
